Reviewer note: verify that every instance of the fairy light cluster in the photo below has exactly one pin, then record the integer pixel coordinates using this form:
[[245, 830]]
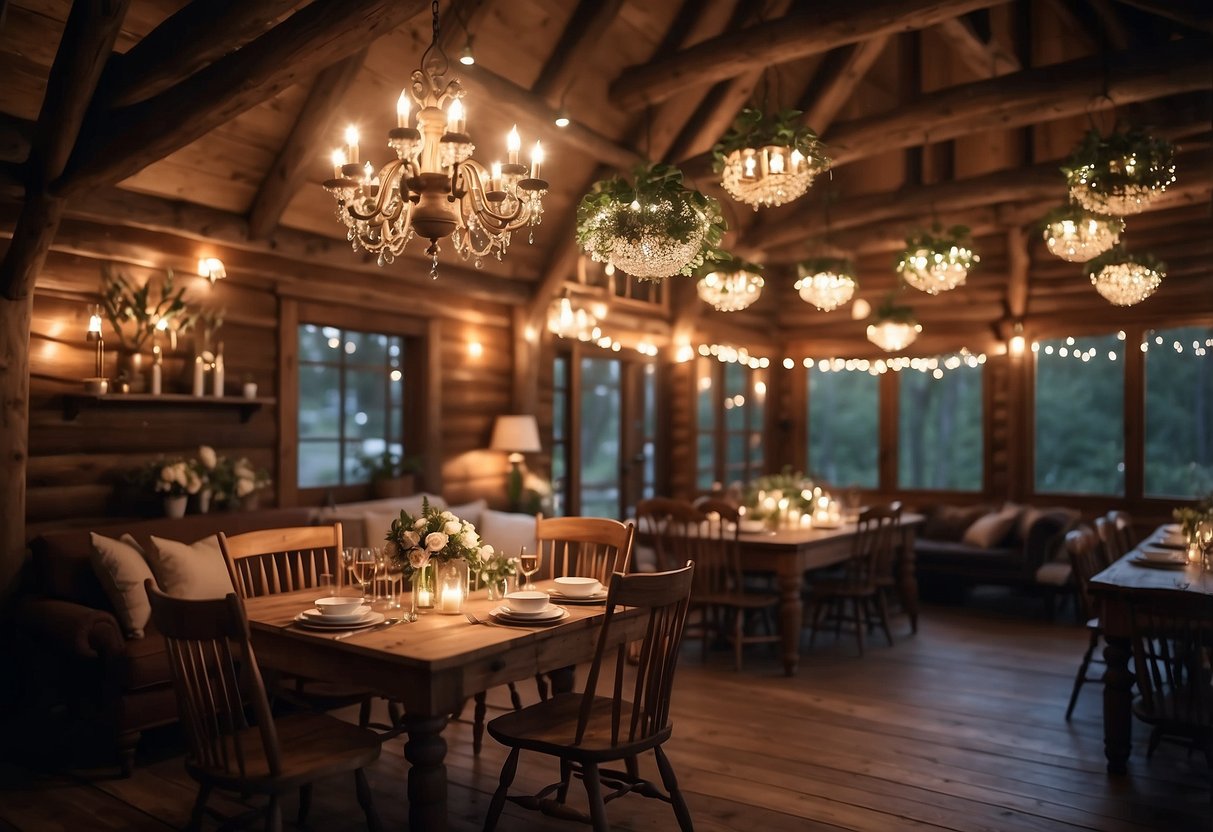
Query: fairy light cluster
[[734, 355], [937, 366]]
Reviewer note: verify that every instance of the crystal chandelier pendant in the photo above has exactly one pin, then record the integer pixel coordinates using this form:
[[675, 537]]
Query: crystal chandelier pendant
[[730, 289], [827, 283], [646, 250], [892, 336], [1121, 173], [1123, 279], [1076, 235], [934, 270], [766, 176]]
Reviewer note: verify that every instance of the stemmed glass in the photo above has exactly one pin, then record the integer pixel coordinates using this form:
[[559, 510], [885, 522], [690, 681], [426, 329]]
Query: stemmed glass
[[528, 565], [360, 563]]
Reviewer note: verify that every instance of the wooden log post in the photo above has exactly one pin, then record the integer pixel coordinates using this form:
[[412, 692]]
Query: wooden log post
[[14, 435]]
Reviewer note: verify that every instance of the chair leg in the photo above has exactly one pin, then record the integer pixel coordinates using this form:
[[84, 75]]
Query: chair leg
[[815, 621], [273, 815], [478, 721], [860, 621], [1082, 674], [305, 804], [566, 777], [882, 603], [541, 685], [738, 638], [671, 785], [515, 699], [195, 821], [395, 713], [364, 713], [593, 793], [363, 790], [508, 769]]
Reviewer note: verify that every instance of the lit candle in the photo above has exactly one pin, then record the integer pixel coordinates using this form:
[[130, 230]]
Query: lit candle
[[402, 109], [351, 144], [806, 521], [749, 166], [368, 173], [797, 159], [156, 369], [777, 162], [513, 144], [94, 323], [339, 160], [536, 160], [496, 169], [424, 599], [451, 599], [455, 117], [199, 376]]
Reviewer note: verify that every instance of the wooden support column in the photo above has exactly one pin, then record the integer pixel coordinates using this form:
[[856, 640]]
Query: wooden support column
[[525, 392], [14, 436]]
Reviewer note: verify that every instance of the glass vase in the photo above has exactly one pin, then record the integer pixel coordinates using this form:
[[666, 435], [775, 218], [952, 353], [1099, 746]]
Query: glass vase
[[451, 578], [498, 588], [423, 589]]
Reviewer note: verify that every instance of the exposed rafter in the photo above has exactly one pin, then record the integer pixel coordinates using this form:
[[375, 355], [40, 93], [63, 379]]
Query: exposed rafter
[[837, 79], [985, 59], [1194, 14], [818, 28], [589, 20], [289, 170]]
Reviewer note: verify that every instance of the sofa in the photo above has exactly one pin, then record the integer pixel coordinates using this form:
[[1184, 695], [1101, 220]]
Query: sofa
[[1009, 545], [78, 665]]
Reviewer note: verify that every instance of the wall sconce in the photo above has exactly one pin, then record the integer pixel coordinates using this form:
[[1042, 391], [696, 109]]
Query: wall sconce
[[475, 349], [1016, 345], [211, 268], [98, 385]]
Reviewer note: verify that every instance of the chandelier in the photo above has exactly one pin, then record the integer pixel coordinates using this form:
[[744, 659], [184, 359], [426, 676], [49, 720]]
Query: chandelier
[[1076, 235], [1119, 174], [768, 160], [937, 261], [1125, 279], [895, 327], [731, 284], [826, 282], [574, 323], [434, 188]]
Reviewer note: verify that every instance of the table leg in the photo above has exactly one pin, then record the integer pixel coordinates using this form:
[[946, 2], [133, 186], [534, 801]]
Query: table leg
[[908, 578], [425, 750], [1117, 704], [791, 615]]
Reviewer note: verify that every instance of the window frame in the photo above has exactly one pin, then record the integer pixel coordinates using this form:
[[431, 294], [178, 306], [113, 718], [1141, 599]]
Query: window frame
[[720, 432]]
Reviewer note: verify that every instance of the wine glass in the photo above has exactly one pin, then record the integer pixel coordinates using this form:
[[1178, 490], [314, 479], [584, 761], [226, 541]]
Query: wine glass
[[361, 563], [528, 564]]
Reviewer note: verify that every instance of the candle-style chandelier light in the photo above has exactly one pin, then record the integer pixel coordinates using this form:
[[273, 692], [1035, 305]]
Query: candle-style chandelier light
[[1076, 235], [937, 261], [1121, 173], [1125, 279], [730, 285], [434, 188], [576, 323], [766, 160], [826, 282], [895, 327]]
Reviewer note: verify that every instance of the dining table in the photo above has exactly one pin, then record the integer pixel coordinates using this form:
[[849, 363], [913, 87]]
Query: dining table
[[1116, 587], [789, 553], [432, 666]]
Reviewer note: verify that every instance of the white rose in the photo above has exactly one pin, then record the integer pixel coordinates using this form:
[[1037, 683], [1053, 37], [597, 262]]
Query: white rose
[[486, 552], [193, 483], [167, 475], [469, 540], [244, 487], [411, 539], [446, 515], [451, 527], [436, 541], [418, 558], [419, 523], [391, 549], [206, 455]]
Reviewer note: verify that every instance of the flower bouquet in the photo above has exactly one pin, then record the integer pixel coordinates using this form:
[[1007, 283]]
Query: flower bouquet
[[776, 499], [437, 551], [495, 571], [1197, 523], [177, 478]]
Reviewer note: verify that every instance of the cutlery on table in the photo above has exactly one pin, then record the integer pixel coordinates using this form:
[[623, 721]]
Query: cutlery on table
[[383, 625]]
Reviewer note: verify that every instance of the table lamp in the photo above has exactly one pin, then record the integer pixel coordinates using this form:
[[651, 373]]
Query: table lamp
[[516, 435]]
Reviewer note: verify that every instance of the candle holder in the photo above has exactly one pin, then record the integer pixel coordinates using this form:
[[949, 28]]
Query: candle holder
[[452, 586], [98, 385], [423, 589]]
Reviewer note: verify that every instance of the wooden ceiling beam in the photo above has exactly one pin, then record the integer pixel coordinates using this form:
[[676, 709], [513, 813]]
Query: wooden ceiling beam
[[836, 81], [818, 28], [1027, 97], [589, 20], [15, 135], [985, 59], [87, 42], [1193, 14], [198, 34], [124, 142], [315, 120]]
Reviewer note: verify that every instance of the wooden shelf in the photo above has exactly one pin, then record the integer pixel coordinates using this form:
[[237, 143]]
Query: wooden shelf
[[73, 403]]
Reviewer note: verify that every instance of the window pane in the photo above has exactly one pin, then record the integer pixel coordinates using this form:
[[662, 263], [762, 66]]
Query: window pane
[[1080, 416], [365, 404], [844, 442], [319, 464], [705, 404], [1179, 412], [736, 392], [939, 441], [365, 348], [313, 343], [600, 437], [319, 402], [706, 465]]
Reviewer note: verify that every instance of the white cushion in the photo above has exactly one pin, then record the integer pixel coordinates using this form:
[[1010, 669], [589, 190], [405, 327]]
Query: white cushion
[[196, 571], [352, 516], [507, 533], [121, 569], [1054, 573], [375, 525], [472, 512], [990, 530]]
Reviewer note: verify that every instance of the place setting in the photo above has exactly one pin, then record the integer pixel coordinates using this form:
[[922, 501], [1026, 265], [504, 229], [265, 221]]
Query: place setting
[[528, 608], [343, 617], [1158, 557], [578, 591]]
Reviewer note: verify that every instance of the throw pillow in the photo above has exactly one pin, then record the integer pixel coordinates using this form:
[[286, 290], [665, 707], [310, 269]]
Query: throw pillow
[[472, 512], [375, 526], [507, 533], [950, 522], [196, 571], [121, 569], [990, 530]]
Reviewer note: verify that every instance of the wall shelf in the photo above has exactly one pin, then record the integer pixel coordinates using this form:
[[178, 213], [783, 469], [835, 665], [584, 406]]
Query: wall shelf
[[73, 403]]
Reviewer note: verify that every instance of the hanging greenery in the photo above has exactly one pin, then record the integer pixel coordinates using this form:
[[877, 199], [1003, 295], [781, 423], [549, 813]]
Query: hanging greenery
[[1120, 173], [754, 129]]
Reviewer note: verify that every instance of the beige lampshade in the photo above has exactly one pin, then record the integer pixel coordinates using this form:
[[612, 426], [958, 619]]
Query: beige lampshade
[[516, 434]]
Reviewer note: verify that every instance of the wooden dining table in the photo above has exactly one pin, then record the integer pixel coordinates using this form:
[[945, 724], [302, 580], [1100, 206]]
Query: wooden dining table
[[789, 553], [1116, 588], [432, 666]]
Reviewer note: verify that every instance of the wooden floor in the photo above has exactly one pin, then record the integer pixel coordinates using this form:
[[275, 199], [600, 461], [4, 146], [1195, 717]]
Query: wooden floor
[[960, 728]]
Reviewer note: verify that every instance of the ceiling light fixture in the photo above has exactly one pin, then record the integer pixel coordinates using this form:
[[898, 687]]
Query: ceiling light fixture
[[937, 260], [1121, 173], [434, 189], [767, 160], [574, 323], [562, 118], [1076, 235], [895, 327], [1125, 279], [731, 284], [826, 282]]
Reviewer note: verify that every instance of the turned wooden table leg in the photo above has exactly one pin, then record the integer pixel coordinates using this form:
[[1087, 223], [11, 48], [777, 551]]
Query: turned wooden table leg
[[1117, 704], [425, 750], [791, 613]]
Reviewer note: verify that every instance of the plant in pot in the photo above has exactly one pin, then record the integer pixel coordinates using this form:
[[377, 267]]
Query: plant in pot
[[138, 318], [391, 474]]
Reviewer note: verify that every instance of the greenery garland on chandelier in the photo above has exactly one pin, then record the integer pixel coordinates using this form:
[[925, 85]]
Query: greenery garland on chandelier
[[1119, 174], [651, 228], [1075, 234], [1124, 278], [937, 260], [768, 160]]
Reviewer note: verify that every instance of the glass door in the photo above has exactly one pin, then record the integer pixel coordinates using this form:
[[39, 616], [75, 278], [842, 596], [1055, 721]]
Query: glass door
[[599, 445]]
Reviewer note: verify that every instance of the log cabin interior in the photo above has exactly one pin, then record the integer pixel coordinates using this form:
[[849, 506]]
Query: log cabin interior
[[194, 157]]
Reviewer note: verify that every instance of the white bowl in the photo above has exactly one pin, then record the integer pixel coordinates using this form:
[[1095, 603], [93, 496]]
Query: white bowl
[[526, 600], [338, 605], [573, 587]]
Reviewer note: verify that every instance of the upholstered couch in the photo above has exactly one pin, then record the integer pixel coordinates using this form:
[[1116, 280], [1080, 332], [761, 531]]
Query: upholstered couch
[[960, 546], [74, 656]]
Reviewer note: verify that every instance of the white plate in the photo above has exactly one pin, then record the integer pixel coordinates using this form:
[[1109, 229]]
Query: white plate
[[1161, 555], [596, 598], [316, 616], [369, 619], [550, 611], [1172, 528], [501, 616]]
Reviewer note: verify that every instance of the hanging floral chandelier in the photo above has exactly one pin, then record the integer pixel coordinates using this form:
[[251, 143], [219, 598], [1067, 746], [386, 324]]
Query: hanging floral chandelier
[[1125, 279], [826, 282], [1076, 235], [651, 228], [574, 323], [895, 327], [1119, 174], [937, 261], [768, 160], [434, 188], [731, 284]]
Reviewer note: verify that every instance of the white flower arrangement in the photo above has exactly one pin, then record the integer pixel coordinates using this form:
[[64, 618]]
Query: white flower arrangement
[[177, 478], [438, 535]]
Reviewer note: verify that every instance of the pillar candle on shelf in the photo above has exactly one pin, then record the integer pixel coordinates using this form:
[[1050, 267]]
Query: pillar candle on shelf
[[217, 379], [199, 388], [157, 371]]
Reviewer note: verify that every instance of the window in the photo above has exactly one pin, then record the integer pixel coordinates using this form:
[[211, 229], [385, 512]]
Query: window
[[731, 407], [560, 433], [351, 399], [939, 443], [1080, 415], [1179, 411], [600, 449], [844, 421]]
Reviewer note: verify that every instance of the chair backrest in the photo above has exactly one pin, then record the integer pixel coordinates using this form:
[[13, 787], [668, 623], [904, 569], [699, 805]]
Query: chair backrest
[[1172, 654], [1087, 559], [590, 547], [874, 546], [665, 596], [283, 560], [704, 533], [1115, 530], [214, 682]]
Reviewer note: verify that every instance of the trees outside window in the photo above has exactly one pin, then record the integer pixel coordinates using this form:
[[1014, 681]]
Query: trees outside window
[[940, 436], [731, 413], [1179, 411], [844, 421]]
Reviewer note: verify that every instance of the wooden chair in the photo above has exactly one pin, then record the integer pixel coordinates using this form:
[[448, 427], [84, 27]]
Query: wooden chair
[[590, 547], [217, 681], [1115, 531], [1086, 559], [874, 550], [271, 561], [585, 730], [1173, 656]]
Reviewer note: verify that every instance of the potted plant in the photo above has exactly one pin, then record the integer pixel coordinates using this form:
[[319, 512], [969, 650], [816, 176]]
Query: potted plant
[[137, 318], [391, 474]]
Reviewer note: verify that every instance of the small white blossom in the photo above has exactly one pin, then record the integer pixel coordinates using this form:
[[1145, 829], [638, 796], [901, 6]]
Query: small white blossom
[[419, 523], [206, 455], [446, 515], [244, 487], [486, 551], [410, 539], [451, 528], [469, 539]]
